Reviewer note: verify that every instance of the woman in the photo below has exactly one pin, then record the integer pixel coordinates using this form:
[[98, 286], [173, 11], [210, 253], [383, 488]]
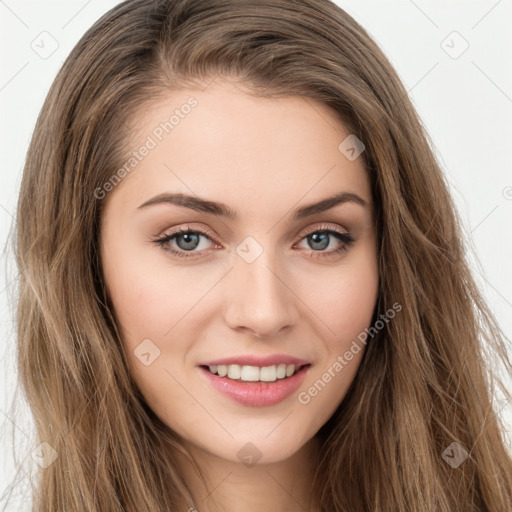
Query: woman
[[242, 277]]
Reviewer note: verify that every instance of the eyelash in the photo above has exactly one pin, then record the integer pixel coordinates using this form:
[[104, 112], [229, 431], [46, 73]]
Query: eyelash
[[346, 238]]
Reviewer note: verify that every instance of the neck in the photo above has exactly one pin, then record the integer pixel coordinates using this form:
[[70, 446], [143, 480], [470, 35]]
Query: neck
[[231, 486]]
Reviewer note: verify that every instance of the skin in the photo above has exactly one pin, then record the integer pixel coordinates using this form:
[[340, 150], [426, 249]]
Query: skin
[[264, 158]]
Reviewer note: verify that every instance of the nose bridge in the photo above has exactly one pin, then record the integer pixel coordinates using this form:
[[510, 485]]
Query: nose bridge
[[258, 298]]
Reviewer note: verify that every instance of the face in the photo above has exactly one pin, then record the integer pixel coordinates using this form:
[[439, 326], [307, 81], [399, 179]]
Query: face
[[219, 250]]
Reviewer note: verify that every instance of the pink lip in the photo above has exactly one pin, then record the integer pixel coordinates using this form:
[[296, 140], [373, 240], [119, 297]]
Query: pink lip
[[252, 360], [257, 394]]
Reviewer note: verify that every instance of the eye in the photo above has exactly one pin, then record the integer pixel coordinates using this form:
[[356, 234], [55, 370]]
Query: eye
[[183, 243], [187, 241], [321, 238]]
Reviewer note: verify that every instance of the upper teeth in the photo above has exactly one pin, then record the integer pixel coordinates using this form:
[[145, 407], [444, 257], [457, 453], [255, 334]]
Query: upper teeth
[[254, 373]]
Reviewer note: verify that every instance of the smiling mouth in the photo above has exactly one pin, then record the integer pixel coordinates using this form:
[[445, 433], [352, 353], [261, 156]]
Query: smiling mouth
[[245, 373]]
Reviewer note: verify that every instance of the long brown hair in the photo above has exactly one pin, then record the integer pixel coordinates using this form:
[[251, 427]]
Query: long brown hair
[[425, 382]]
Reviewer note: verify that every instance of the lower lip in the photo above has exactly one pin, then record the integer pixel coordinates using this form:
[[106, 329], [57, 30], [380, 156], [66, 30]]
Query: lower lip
[[257, 394]]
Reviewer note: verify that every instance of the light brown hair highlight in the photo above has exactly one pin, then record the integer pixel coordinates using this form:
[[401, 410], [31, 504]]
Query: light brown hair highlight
[[425, 380]]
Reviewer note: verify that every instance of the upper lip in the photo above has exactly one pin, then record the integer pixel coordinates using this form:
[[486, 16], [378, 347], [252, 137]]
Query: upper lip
[[253, 360]]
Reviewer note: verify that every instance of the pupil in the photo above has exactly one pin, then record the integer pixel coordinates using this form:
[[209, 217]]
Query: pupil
[[321, 238], [191, 241]]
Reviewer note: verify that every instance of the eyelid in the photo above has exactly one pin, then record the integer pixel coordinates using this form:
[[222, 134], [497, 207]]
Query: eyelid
[[189, 226], [323, 227], [344, 235], [193, 227]]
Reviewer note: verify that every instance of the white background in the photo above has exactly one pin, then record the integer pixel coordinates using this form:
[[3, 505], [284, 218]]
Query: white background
[[464, 102]]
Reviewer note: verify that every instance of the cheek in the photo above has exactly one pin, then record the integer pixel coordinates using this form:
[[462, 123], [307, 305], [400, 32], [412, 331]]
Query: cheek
[[163, 305], [343, 305], [150, 311], [353, 303], [343, 300], [151, 299]]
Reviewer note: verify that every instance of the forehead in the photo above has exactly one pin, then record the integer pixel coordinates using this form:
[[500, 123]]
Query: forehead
[[251, 152]]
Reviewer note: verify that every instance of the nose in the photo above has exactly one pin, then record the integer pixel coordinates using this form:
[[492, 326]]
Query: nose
[[260, 298]]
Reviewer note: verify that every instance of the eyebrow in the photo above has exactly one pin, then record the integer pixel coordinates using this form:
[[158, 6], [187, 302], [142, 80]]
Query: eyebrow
[[222, 210]]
